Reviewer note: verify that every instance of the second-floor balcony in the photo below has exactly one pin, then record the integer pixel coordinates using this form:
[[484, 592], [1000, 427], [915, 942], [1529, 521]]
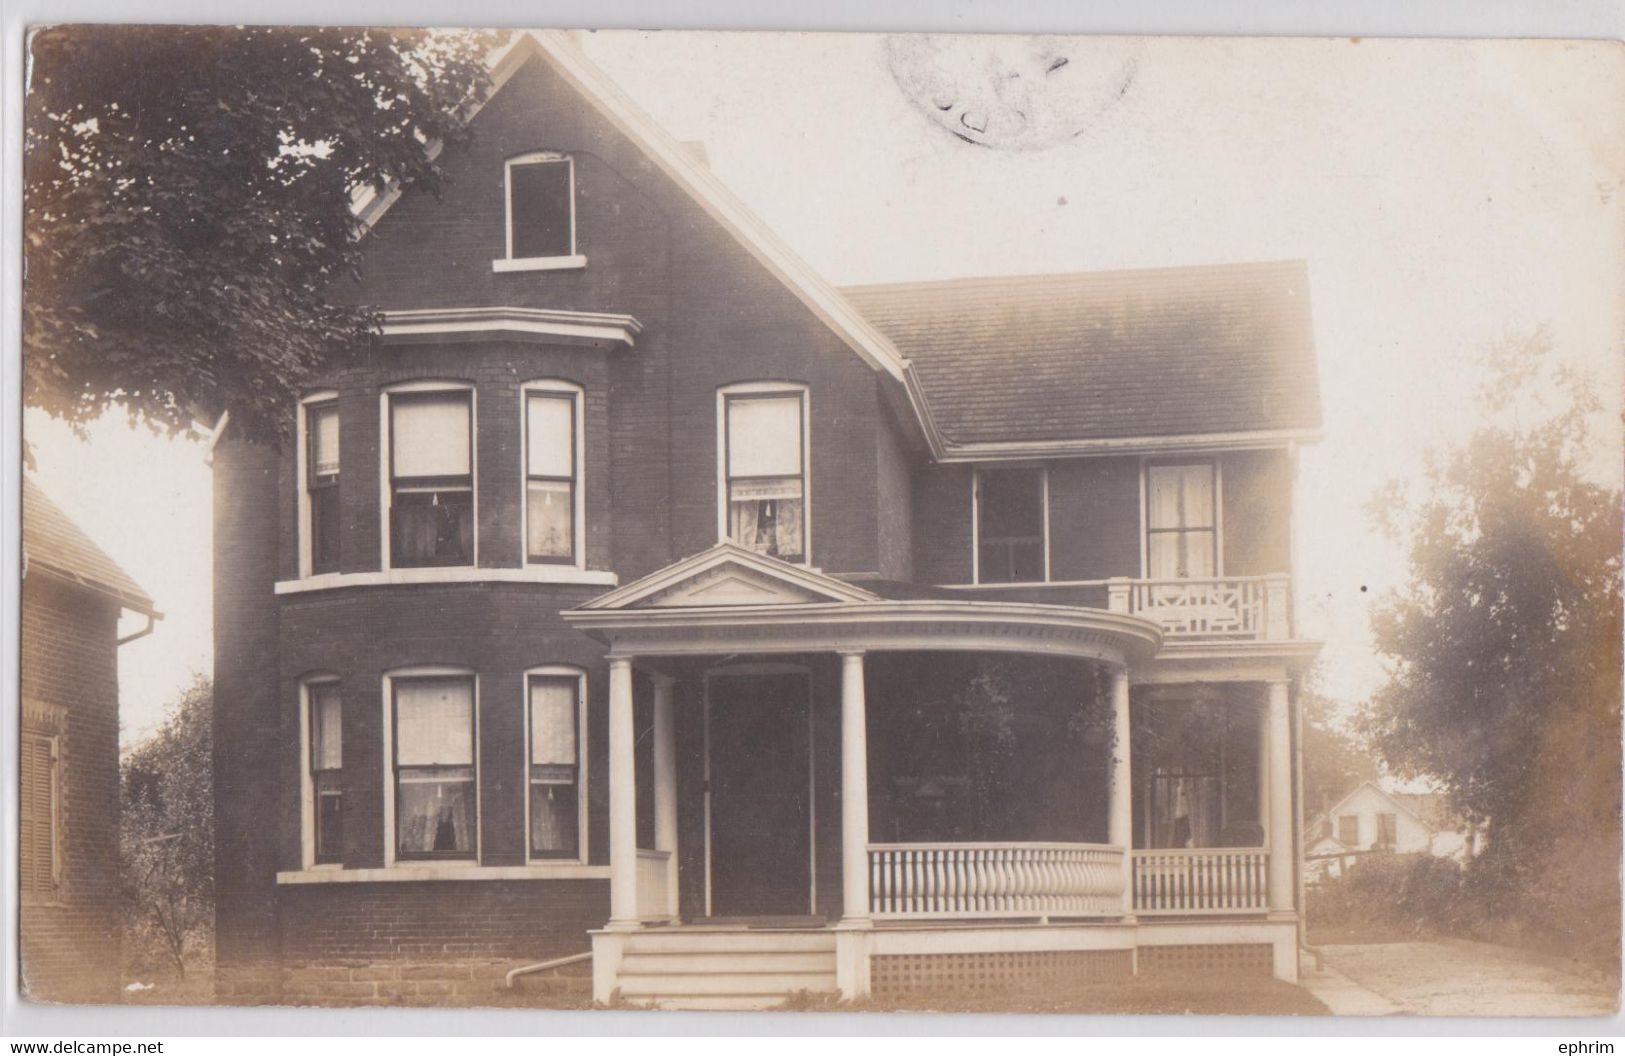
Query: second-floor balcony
[[1231, 608]]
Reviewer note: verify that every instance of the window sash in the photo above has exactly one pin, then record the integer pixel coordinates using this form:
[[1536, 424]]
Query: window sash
[[326, 772], [322, 442], [765, 472], [436, 812], [536, 188], [551, 469], [431, 436], [764, 435], [1005, 552], [434, 722], [553, 772], [1182, 537]]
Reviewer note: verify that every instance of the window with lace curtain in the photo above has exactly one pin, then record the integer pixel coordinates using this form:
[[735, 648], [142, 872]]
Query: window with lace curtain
[[435, 800], [552, 473], [1181, 520], [553, 771], [765, 470], [326, 772]]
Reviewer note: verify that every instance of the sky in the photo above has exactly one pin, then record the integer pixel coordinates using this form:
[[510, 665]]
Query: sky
[[1445, 195]]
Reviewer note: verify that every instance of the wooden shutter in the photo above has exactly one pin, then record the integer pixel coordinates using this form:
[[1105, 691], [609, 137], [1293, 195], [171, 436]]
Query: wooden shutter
[[38, 814]]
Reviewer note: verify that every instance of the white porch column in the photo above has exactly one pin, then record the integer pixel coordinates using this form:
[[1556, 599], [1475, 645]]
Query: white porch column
[[665, 781], [1280, 786], [623, 804], [854, 793], [1120, 821], [1264, 773]]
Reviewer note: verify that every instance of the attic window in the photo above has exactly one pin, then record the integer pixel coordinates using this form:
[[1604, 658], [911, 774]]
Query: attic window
[[539, 191]]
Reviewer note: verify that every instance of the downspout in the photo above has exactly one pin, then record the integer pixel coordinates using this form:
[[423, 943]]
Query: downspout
[[531, 969], [152, 621]]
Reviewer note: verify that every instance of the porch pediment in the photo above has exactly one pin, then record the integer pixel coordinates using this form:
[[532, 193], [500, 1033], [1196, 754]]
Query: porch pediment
[[728, 575]]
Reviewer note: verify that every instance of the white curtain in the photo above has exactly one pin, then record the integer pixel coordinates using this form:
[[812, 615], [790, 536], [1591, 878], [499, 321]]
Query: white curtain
[[553, 704], [326, 729], [324, 441], [1180, 514], [550, 436], [764, 436], [434, 722]]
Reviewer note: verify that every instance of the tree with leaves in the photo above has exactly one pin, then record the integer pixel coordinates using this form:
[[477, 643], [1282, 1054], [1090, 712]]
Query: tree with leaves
[[1334, 759], [166, 836], [1505, 649], [187, 205]]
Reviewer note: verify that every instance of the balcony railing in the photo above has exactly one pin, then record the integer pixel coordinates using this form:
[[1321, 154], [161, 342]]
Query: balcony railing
[[915, 880], [1201, 881], [1228, 609]]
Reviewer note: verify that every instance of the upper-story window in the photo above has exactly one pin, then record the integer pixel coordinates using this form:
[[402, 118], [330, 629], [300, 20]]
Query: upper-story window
[[540, 197], [764, 463], [1012, 526], [1181, 520], [552, 422], [326, 756], [436, 807], [555, 701], [322, 484], [431, 477]]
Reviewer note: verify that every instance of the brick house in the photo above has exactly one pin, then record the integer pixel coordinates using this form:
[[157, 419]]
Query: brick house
[[641, 592], [72, 597]]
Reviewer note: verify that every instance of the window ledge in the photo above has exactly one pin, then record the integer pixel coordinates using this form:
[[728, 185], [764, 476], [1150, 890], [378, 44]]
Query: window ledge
[[394, 577], [418, 873], [538, 263]]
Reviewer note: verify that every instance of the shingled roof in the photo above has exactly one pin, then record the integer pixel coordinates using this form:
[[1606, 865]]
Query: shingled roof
[[54, 544], [1168, 352]]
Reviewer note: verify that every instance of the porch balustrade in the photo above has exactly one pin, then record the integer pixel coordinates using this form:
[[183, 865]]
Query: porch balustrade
[[1201, 881], [1233, 608], [913, 880]]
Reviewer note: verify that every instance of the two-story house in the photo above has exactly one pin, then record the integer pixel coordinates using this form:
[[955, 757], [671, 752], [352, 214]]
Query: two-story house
[[641, 592]]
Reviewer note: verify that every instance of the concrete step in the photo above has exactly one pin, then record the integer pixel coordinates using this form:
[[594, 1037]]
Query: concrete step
[[704, 1003], [689, 962], [685, 941], [780, 984]]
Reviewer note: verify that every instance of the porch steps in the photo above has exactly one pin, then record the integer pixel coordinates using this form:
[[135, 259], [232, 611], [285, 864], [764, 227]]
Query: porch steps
[[725, 969]]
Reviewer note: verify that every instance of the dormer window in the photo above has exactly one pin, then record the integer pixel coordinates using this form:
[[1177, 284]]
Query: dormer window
[[540, 196]]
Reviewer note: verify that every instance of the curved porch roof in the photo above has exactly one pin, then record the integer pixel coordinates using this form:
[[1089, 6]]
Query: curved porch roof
[[731, 600]]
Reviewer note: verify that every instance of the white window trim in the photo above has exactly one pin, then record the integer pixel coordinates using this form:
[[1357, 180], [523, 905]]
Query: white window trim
[[1217, 463], [385, 498], [582, 826], [554, 386], [432, 865], [765, 388], [976, 523], [566, 575], [509, 262], [307, 785], [302, 475]]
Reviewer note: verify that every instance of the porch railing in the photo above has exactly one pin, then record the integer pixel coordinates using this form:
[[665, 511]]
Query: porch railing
[[995, 880], [1210, 880], [1237, 607], [652, 874]]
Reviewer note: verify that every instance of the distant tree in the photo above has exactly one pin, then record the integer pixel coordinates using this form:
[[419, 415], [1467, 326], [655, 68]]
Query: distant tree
[[1334, 758], [1505, 648], [166, 837], [187, 204]]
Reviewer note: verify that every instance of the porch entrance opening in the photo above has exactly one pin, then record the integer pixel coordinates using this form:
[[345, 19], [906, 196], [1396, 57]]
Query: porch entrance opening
[[758, 766]]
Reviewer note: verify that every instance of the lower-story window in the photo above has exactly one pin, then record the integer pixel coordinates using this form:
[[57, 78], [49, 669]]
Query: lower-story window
[[554, 769], [435, 801], [327, 772]]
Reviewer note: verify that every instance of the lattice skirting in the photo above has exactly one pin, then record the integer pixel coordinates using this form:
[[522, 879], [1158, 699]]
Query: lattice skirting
[[1250, 959], [895, 975]]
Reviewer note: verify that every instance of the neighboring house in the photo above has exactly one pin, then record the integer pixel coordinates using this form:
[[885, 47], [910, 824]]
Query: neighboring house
[[72, 597], [640, 589], [1370, 818]]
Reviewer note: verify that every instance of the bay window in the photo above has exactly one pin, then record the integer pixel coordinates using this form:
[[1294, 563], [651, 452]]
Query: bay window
[[1011, 526], [431, 478], [322, 484], [765, 471], [326, 725], [435, 801], [1181, 520], [554, 703], [552, 474]]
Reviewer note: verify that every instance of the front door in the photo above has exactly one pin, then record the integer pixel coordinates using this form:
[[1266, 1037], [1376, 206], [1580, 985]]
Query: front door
[[760, 795]]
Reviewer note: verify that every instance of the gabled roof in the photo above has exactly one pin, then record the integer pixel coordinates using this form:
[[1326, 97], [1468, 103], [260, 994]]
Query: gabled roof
[[54, 545], [1210, 352], [729, 574], [1401, 801]]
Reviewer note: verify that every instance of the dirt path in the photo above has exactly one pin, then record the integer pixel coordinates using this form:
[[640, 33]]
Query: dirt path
[[1456, 978]]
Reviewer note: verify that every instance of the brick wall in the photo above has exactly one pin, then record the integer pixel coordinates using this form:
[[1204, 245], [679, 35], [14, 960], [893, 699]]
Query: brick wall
[[69, 668]]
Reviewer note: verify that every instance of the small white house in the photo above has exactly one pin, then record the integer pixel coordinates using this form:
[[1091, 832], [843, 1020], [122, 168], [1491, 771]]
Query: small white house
[[1370, 818]]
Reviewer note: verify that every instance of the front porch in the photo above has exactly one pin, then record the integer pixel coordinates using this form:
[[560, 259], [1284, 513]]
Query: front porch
[[811, 784]]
